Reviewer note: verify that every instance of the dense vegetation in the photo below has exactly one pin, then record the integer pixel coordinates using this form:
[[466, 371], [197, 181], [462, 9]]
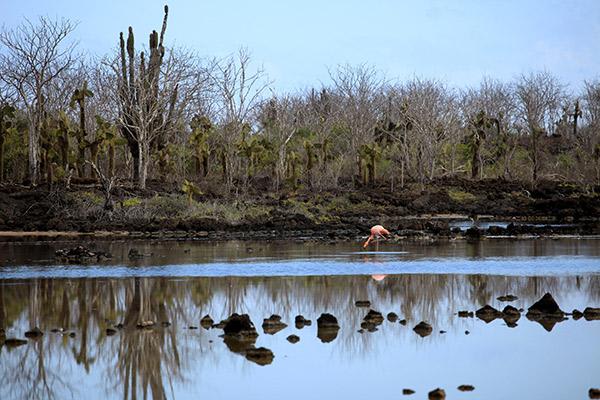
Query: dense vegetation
[[167, 115]]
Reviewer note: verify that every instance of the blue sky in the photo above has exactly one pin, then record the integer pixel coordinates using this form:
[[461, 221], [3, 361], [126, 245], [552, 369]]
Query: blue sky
[[455, 41]]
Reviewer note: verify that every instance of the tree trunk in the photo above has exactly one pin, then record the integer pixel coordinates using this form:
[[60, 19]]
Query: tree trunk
[[144, 159], [111, 160], [135, 157], [1, 158], [34, 153]]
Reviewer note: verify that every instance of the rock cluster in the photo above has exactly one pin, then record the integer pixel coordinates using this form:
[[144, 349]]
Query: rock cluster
[[327, 328], [80, 254], [273, 324]]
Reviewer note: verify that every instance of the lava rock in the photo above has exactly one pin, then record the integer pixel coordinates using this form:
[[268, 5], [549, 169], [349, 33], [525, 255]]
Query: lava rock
[[594, 393], [591, 314], [80, 254], [465, 314], [239, 325], [437, 394], [134, 254], [511, 315], [293, 339], [110, 331], [423, 329], [545, 305], [407, 392], [260, 356], [327, 321], [327, 328], [488, 313], [392, 317], [374, 317], [546, 312], [206, 322], [402, 322], [466, 388], [301, 322], [577, 314], [273, 324], [14, 342], [34, 333], [362, 303], [508, 298]]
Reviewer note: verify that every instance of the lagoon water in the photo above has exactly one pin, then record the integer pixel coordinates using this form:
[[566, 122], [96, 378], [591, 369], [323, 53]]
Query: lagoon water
[[180, 282]]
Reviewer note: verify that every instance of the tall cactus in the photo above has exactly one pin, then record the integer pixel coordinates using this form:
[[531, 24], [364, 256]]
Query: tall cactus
[[7, 113], [141, 117], [78, 98]]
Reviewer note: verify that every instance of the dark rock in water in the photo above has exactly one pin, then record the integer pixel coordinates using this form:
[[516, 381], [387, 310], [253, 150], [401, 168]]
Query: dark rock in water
[[119, 325], [14, 342], [423, 329], [488, 313], [437, 394], [465, 314], [110, 331], [220, 325], [508, 298], [362, 303], [368, 326], [547, 321], [546, 312], [510, 310], [206, 322], [240, 325], [301, 322], [327, 321], [591, 314], [594, 393], [402, 322], [239, 344], [545, 305], [466, 388], [72, 334], [273, 324], [145, 325], [511, 315], [293, 339], [442, 332], [407, 392], [327, 328], [80, 254], [467, 333], [577, 314], [34, 333], [192, 327], [392, 317], [134, 254], [327, 335], [373, 317], [260, 356]]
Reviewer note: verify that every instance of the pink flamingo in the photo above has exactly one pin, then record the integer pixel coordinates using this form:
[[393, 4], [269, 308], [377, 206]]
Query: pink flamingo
[[377, 231]]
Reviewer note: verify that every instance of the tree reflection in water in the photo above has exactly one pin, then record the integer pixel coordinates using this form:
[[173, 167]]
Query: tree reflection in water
[[149, 362]]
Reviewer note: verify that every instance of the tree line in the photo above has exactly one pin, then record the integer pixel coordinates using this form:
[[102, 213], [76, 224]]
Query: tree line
[[164, 113]]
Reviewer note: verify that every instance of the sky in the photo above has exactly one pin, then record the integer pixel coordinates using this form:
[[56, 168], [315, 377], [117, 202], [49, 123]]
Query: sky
[[298, 42]]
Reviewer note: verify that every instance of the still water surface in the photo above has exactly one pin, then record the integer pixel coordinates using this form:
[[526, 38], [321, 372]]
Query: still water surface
[[181, 282]]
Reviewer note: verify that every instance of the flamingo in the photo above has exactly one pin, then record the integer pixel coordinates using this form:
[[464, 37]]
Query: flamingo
[[377, 231]]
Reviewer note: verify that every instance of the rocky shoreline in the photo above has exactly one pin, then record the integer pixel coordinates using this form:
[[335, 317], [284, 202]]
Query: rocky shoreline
[[422, 229]]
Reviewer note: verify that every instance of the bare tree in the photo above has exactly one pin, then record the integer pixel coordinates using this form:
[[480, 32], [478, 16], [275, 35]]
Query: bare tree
[[357, 91], [539, 99], [35, 55], [239, 89]]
